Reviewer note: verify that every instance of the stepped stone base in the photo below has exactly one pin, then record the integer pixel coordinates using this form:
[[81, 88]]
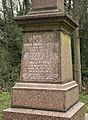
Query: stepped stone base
[[58, 97], [75, 113]]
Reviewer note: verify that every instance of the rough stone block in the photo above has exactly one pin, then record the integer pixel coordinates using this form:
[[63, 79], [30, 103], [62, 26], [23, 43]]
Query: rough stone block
[[45, 96], [75, 113]]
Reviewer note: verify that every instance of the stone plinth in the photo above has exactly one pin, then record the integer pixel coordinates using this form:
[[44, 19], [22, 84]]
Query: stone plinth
[[75, 113], [46, 53], [45, 96]]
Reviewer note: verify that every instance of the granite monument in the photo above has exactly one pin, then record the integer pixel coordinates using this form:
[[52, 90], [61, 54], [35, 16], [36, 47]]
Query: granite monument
[[46, 90]]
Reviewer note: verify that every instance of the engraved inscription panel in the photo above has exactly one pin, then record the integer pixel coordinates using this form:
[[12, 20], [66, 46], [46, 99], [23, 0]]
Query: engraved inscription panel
[[41, 57]]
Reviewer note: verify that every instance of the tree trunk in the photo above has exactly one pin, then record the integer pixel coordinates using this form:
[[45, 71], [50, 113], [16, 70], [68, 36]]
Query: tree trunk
[[76, 47], [26, 4], [4, 9], [11, 6], [20, 5]]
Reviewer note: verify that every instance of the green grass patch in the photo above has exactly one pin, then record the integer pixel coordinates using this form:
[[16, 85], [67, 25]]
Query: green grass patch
[[84, 98], [5, 101]]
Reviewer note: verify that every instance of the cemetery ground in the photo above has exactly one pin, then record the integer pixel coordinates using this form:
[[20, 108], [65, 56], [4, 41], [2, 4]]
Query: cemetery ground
[[5, 101]]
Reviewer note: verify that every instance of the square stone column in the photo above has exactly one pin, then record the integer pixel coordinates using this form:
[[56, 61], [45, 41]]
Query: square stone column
[[48, 4], [46, 90]]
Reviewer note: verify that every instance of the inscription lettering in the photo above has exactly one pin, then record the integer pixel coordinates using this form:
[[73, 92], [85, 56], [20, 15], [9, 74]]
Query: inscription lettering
[[41, 57]]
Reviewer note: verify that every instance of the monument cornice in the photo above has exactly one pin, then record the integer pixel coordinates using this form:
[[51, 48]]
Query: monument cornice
[[44, 19]]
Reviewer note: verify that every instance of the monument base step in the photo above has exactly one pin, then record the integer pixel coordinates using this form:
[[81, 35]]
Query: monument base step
[[75, 113], [58, 97]]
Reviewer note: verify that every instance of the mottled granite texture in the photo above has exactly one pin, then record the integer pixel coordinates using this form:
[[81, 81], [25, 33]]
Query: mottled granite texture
[[47, 97], [47, 57], [48, 4], [75, 113]]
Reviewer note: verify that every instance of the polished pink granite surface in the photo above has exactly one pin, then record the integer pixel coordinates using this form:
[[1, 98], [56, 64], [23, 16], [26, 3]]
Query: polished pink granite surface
[[75, 113], [45, 96]]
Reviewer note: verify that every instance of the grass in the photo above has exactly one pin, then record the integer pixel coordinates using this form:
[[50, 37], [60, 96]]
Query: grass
[[84, 98], [5, 101]]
